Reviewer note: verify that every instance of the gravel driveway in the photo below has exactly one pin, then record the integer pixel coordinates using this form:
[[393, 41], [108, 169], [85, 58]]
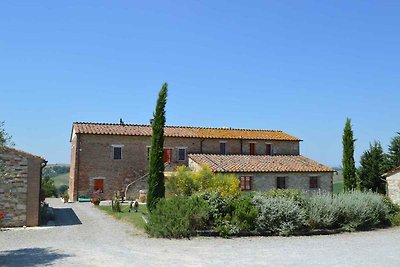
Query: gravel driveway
[[84, 236]]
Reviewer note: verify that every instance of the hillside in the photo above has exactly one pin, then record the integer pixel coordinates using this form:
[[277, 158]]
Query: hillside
[[58, 172]]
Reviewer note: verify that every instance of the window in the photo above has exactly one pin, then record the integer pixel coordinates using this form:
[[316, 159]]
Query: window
[[222, 148], [148, 152], [245, 183], [268, 149], [181, 153], [98, 185], [314, 182], [167, 155], [281, 182], [117, 152], [252, 148]]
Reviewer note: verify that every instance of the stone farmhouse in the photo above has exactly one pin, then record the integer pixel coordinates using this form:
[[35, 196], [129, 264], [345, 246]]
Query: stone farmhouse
[[20, 188], [108, 157], [393, 184]]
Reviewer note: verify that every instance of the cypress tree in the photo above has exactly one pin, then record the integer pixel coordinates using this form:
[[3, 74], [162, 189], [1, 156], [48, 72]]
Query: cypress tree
[[349, 167], [394, 152], [156, 189], [373, 165]]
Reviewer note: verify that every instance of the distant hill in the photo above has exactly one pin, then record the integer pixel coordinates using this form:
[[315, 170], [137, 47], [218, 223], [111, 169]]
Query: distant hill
[[58, 172]]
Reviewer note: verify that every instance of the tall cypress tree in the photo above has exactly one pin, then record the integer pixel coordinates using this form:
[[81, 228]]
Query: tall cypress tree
[[394, 151], [349, 167], [156, 189], [373, 165]]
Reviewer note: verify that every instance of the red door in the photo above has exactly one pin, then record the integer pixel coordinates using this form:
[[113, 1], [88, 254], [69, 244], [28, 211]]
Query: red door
[[167, 155]]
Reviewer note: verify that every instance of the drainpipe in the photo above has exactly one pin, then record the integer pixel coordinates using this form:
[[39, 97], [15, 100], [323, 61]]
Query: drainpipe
[[44, 163], [241, 146]]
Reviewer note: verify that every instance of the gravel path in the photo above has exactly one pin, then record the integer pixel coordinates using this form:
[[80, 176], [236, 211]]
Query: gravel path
[[85, 236]]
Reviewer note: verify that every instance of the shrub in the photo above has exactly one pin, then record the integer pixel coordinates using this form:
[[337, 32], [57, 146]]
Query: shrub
[[186, 182], [116, 205], [323, 211], [278, 215], [244, 214], [293, 194], [178, 217], [361, 210], [394, 219], [220, 213]]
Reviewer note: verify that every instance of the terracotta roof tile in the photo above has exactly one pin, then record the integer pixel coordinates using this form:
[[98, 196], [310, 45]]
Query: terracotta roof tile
[[254, 164], [180, 131], [22, 153]]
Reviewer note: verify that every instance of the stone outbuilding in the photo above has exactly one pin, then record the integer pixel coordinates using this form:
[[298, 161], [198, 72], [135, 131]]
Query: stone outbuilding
[[264, 172], [20, 180], [393, 184]]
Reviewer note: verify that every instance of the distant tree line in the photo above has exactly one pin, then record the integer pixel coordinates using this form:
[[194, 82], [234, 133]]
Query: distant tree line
[[374, 162]]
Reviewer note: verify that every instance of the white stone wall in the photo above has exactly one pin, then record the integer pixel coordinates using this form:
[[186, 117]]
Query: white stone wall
[[393, 189]]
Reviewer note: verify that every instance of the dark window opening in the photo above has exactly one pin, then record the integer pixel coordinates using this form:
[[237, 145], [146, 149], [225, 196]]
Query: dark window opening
[[117, 152], [281, 182], [314, 183], [222, 148], [252, 148]]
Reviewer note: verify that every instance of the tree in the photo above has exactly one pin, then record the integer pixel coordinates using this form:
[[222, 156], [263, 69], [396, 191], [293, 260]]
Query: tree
[[5, 141], [156, 185], [349, 167], [48, 187], [373, 165], [5, 138], [394, 152]]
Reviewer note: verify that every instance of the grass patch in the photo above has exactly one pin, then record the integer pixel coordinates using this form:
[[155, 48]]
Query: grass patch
[[134, 218], [61, 179], [338, 187]]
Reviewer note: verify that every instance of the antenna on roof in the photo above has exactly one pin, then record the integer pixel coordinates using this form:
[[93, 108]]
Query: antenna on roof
[[121, 121], [151, 121]]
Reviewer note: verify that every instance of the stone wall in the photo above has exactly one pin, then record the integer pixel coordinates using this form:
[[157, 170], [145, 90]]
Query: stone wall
[[19, 189], [393, 187], [92, 158], [266, 181]]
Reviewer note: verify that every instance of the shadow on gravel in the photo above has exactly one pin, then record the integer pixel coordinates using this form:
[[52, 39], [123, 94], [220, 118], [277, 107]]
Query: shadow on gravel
[[30, 257], [65, 216]]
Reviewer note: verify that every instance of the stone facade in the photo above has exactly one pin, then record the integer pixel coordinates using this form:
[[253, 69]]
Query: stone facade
[[262, 181], [20, 188], [92, 158], [393, 186], [266, 181]]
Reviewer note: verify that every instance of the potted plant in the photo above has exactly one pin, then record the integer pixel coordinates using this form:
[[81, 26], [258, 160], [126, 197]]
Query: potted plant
[[65, 197], [96, 197]]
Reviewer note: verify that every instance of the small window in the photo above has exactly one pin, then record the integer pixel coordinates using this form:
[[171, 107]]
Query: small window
[[314, 182], [98, 185], [148, 152], [281, 182], [252, 148], [222, 148], [181, 154], [246, 183], [268, 149], [167, 155], [117, 152]]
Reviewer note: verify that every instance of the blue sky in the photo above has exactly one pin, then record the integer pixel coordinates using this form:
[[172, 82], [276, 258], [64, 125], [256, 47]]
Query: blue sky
[[297, 66]]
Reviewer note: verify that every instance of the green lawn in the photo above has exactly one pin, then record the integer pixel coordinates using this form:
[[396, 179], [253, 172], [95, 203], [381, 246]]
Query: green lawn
[[134, 218], [338, 182], [61, 179]]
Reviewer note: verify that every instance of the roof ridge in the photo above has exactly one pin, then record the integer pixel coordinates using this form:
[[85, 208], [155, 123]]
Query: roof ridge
[[179, 126]]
